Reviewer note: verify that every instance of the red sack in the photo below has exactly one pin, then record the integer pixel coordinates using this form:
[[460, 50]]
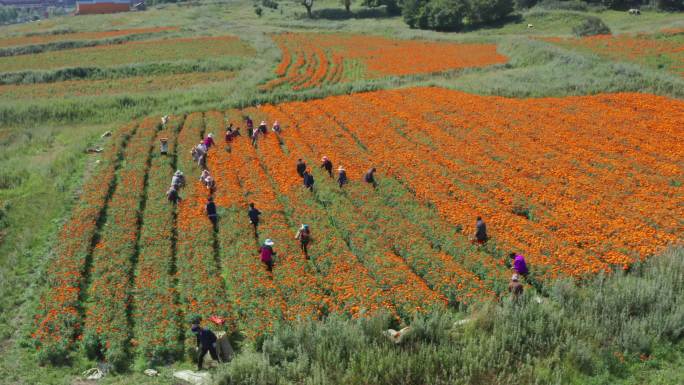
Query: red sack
[[217, 320]]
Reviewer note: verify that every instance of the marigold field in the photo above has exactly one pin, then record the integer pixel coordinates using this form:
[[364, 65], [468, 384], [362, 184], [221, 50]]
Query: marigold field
[[661, 50], [313, 59], [579, 185]]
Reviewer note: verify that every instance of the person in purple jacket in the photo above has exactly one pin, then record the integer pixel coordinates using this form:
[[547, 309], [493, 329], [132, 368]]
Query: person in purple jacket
[[267, 254], [519, 264]]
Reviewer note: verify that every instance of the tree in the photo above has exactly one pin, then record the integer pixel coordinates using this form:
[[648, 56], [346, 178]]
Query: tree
[[308, 4], [488, 11], [347, 5], [440, 15], [392, 5]]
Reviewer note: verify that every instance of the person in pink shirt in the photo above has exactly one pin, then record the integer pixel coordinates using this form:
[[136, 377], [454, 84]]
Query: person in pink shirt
[[209, 141], [267, 254]]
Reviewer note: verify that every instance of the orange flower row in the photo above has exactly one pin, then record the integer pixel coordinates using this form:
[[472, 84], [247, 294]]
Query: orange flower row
[[155, 315], [107, 330], [200, 284], [257, 301], [322, 58], [59, 320]]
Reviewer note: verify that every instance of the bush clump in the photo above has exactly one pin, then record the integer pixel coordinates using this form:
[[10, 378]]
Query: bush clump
[[593, 330], [454, 15], [591, 26]]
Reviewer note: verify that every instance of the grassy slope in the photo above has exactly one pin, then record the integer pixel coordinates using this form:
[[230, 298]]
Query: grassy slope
[[41, 151]]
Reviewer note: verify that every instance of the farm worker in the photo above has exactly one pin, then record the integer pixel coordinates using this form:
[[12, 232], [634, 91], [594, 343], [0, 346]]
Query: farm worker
[[519, 264], [253, 215], [209, 141], [304, 236], [341, 176], [370, 177], [172, 195], [308, 180], [178, 180], [255, 136], [164, 120], [480, 236], [200, 155], [206, 342], [267, 254], [210, 183], [514, 287], [250, 125], [163, 146], [327, 165], [276, 127], [229, 133], [263, 127], [301, 167], [211, 211], [202, 161], [204, 175]]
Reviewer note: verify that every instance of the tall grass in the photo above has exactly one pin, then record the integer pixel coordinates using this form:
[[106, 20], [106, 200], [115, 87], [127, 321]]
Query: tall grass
[[577, 332]]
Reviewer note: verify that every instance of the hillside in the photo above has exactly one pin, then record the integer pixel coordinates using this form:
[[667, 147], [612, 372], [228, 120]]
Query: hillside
[[569, 148]]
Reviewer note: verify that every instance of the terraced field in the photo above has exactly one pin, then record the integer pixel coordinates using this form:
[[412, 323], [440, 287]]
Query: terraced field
[[664, 49], [129, 53], [44, 38], [575, 200], [311, 60]]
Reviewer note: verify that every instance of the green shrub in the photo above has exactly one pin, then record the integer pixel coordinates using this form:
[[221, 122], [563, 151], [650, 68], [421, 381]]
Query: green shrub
[[489, 11], [669, 5], [572, 5], [588, 330], [450, 15], [591, 26]]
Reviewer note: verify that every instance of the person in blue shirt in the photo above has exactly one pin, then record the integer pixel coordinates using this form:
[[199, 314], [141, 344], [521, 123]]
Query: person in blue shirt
[[206, 342]]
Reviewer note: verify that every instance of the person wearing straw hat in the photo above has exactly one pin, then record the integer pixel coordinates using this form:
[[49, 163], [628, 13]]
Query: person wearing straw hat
[[209, 141], [327, 165], [515, 287], [304, 236], [263, 127], [178, 180], [341, 176], [267, 254]]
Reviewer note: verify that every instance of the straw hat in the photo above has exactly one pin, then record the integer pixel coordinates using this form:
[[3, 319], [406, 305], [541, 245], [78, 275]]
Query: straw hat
[[340, 168], [263, 123], [514, 277], [179, 172], [211, 135], [268, 242]]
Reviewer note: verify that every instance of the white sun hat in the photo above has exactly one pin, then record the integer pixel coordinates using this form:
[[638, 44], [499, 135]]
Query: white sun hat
[[269, 242]]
